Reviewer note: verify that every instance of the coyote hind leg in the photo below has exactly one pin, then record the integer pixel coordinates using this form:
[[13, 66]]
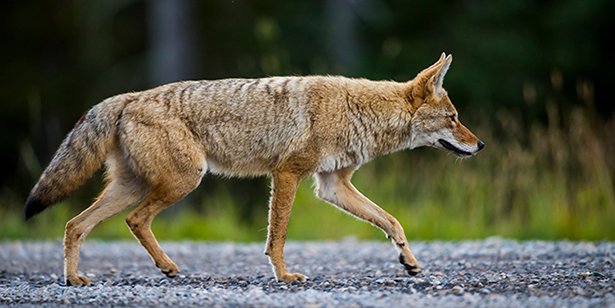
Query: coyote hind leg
[[172, 163], [117, 196], [140, 221]]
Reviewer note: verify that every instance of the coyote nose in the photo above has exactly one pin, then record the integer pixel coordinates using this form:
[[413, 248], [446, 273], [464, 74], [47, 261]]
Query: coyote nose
[[480, 145]]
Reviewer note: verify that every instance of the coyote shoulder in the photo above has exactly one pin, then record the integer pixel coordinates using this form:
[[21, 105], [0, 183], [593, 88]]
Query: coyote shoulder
[[158, 144]]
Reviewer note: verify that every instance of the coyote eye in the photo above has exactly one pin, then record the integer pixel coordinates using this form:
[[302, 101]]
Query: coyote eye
[[453, 118]]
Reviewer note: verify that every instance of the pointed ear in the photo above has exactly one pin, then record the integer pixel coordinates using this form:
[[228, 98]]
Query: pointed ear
[[428, 72], [440, 72], [425, 82]]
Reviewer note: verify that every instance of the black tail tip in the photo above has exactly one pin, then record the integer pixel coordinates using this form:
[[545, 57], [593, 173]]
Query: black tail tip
[[33, 207]]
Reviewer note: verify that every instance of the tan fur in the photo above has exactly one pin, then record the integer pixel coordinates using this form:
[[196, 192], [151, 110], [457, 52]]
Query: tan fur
[[158, 144]]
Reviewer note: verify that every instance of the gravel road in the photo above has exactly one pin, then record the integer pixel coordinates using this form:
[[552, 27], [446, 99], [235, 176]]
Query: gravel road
[[492, 272]]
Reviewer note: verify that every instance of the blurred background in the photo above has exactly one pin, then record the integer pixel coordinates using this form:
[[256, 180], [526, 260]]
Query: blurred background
[[530, 78]]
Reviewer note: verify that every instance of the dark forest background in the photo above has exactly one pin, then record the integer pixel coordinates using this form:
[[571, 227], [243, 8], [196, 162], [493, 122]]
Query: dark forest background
[[531, 78]]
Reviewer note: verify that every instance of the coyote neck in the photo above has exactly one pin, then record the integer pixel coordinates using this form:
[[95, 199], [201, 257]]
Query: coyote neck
[[379, 118]]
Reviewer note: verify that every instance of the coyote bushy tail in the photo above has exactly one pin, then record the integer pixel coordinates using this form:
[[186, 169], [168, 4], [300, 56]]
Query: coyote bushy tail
[[80, 155]]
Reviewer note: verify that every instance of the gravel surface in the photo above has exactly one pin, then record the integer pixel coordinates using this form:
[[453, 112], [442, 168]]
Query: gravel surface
[[493, 272]]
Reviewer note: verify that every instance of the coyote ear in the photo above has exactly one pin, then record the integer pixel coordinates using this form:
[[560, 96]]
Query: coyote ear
[[428, 72], [438, 77], [429, 80]]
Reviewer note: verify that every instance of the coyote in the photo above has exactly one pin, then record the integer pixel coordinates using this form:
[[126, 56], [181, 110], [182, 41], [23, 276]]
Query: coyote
[[159, 143]]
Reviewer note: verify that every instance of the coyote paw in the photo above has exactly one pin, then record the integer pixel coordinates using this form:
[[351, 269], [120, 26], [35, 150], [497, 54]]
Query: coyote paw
[[413, 269], [77, 281], [170, 270], [290, 277]]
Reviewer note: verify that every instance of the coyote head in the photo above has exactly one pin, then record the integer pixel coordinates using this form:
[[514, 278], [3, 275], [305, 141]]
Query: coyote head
[[435, 121]]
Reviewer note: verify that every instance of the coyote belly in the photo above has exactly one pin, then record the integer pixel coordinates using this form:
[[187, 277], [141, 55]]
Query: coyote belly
[[158, 144]]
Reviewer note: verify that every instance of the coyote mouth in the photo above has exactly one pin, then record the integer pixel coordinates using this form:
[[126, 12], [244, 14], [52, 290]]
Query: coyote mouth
[[459, 152]]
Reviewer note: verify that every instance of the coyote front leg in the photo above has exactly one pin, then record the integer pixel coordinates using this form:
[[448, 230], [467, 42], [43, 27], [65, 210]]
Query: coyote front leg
[[284, 187], [336, 188]]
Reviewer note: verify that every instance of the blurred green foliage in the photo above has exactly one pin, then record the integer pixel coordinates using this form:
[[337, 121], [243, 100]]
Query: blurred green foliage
[[530, 78]]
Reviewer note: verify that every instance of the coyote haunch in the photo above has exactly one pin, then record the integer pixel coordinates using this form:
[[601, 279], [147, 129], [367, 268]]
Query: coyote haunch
[[158, 144]]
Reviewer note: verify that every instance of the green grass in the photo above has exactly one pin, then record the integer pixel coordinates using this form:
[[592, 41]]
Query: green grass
[[532, 181]]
